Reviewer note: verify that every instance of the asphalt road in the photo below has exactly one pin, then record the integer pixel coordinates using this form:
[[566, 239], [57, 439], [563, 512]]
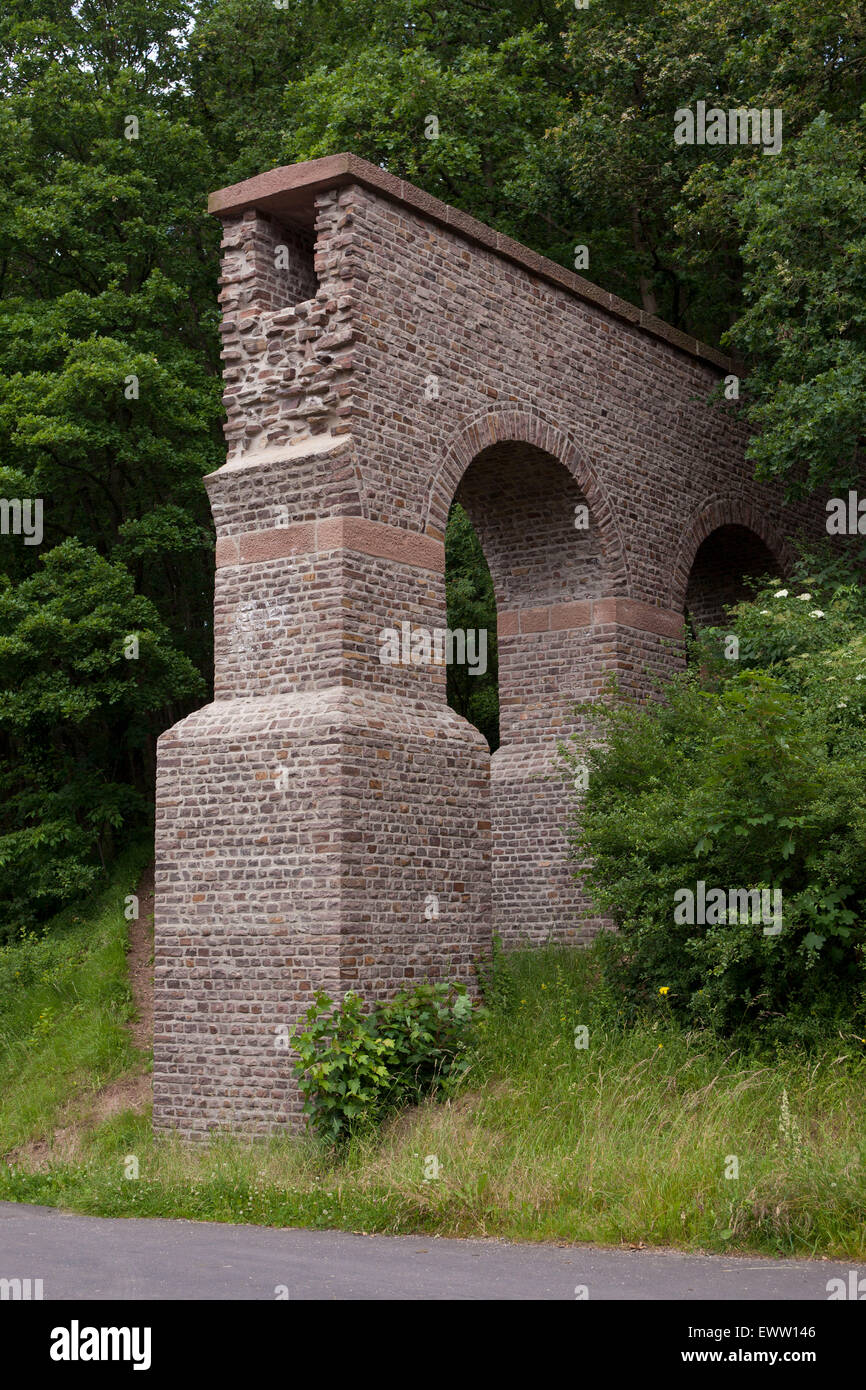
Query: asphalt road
[[91, 1257]]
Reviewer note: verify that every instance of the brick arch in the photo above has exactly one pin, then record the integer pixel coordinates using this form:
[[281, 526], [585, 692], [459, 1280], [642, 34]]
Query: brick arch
[[722, 511], [307, 817], [525, 427]]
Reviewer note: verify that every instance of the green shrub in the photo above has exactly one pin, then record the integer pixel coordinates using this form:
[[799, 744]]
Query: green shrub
[[471, 605], [78, 724], [354, 1065], [748, 774]]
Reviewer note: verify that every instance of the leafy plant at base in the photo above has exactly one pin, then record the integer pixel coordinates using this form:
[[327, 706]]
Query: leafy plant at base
[[341, 1064], [353, 1066]]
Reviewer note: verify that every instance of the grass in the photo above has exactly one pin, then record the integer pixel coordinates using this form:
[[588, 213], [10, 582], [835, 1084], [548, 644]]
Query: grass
[[64, 1000], [626, 1140]]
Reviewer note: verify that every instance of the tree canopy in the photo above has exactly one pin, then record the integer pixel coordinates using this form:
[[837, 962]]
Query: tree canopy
[[554, 124]]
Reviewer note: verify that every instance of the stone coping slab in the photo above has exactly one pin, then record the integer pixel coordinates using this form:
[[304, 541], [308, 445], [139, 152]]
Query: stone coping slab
[[287, 193]]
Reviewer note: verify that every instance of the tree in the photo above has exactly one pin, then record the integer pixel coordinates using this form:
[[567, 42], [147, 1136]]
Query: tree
[[89, 677], [801, 221], [761, 254], [471, 606], [109, 418]]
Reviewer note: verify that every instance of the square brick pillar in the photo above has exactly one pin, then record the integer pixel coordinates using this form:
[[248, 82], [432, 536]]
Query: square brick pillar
[[550, 658], [325, 822]]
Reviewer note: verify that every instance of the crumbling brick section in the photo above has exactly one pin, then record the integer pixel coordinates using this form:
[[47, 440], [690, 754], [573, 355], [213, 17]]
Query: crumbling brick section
[[328, 822], [286, 329]]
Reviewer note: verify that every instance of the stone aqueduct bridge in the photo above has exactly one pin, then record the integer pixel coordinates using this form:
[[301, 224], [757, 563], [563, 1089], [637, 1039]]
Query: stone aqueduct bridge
[[384, 354]]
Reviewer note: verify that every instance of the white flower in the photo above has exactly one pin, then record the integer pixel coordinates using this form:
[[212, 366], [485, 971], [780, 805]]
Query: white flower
[[816, 613], [765, 613], [803, 597], [781, 593], [842, 704]]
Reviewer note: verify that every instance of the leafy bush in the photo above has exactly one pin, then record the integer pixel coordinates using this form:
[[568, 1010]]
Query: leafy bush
[[78, 725], [746, 775], [471, 606], [792, 629], [353, 1065]]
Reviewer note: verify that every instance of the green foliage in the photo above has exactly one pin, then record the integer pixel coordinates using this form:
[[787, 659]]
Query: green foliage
[[109, 413], [78, 724], [555, 126], [495, 978], [319, 78], [471, 605], [801, 220], [64, 1005], [341, 1068], [492, 105], [354, 1065], [760, 254], [746, 775], [798, 630], [109, 364]]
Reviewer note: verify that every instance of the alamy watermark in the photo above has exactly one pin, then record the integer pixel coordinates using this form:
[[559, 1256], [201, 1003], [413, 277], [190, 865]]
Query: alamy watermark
[[77, 1343], [711, 906], [846, 516], [20, 1290], [855, 1288], [438, 646], [737, 126], [22, 516]]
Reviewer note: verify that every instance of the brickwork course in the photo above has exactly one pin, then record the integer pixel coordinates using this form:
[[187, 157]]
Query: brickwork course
[[328, 822]]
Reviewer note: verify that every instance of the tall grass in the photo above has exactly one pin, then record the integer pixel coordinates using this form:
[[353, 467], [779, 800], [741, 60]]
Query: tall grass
[[630, 1139], [64, 999]]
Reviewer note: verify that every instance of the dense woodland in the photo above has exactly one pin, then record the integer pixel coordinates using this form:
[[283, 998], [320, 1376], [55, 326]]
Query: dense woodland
[[555, 126]]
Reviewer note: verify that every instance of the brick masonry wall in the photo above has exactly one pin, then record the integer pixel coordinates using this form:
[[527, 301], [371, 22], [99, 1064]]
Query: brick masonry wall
[[328, 822], [543, 403], [296, 852]]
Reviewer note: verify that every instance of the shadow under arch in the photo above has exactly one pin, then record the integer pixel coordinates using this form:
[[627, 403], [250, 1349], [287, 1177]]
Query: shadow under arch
[[550, 565], [514, 425], [726, 518]]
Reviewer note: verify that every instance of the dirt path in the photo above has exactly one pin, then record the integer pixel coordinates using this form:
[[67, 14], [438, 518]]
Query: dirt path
[[140, 961]]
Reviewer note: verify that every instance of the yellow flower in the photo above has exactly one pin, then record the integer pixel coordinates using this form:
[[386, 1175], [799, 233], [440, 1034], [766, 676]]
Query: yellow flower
[[664, 989], [661, 1044]]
